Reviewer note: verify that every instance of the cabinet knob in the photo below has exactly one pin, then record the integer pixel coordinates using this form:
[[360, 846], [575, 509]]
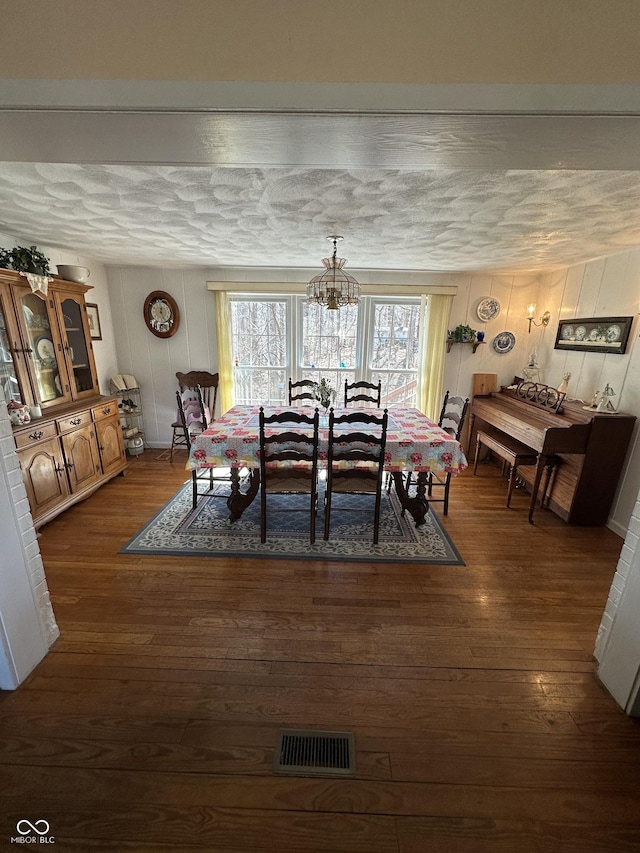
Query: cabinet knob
[[35, 436], [75, 421], [106, 410], [59, 468]]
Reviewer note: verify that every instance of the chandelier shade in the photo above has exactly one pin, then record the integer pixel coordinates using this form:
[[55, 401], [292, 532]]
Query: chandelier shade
[[334, 287]]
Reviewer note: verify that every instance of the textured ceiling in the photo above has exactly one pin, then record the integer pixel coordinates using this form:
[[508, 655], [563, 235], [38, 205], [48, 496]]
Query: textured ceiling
[[433, 219]]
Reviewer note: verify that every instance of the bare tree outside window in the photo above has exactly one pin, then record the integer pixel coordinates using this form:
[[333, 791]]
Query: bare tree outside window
[[275, 338]]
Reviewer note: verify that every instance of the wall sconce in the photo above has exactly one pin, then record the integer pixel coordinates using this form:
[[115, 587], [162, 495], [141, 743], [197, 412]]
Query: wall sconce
[[543, 321]]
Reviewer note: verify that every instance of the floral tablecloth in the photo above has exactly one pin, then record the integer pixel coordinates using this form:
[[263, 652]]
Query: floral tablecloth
[[414, 443]]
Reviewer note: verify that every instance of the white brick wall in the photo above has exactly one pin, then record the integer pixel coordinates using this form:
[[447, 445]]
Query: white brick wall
[[23, 521], [620, 578]]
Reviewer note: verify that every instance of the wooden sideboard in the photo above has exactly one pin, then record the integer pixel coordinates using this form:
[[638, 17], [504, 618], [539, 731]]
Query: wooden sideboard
[[67, 455], [47, 362]]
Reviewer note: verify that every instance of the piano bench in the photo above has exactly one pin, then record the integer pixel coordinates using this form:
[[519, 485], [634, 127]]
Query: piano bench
[[509, 450]]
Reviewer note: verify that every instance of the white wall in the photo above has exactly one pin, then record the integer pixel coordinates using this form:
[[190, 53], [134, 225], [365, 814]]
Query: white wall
[[606, 287]]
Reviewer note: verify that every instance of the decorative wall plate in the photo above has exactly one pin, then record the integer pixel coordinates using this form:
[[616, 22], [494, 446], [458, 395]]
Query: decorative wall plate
[[614, 333], [488, 309], [504, 342]]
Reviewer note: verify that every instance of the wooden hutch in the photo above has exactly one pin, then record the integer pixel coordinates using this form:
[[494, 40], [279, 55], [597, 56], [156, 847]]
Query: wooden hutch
[[46, 361]]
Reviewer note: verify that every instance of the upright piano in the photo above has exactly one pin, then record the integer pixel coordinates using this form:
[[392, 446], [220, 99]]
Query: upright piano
[[590, 448]]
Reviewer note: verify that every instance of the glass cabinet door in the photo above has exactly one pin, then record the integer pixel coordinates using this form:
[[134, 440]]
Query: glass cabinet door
[[11, 385], [77, 346], [44, 348]]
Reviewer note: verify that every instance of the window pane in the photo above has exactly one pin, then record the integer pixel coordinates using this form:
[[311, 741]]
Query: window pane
[[259, 333], [395, 337], [398, 389], [329, 337], [257, 387]]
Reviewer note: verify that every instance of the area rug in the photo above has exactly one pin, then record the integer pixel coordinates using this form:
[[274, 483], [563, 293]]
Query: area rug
[[179, 530]]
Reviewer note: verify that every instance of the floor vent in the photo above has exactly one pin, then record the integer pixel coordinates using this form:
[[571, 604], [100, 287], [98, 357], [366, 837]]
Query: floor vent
[[314, 753]]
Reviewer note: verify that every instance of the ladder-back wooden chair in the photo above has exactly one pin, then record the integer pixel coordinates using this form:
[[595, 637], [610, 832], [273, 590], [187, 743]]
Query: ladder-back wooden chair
[[356, 392], [208, 383], [289, 462], [355, 460], [452, 418]]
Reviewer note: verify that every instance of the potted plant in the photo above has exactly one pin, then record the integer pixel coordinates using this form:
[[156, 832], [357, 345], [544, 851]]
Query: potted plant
[[324, 393], [29, 260], [462, 334]]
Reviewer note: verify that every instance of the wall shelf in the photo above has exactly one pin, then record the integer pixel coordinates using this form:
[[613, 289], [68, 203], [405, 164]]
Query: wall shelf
[[474, 344]]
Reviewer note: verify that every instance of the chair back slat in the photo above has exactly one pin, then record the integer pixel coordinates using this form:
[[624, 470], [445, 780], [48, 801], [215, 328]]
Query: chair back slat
[[452, 415], [208, 383], [303, 390], [355, 392]]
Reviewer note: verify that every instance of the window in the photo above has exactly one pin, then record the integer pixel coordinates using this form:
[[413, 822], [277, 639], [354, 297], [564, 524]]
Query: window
[[275, 338]]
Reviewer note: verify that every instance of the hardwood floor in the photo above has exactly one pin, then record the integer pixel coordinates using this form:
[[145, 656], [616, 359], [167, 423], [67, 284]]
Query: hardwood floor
[[479, 722]]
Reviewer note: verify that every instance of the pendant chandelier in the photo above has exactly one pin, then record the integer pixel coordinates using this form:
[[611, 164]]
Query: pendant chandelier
[[334, 287]]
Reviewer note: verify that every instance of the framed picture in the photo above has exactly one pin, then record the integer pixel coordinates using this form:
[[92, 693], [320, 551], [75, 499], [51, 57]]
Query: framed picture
[[595, 334], [94, 321]]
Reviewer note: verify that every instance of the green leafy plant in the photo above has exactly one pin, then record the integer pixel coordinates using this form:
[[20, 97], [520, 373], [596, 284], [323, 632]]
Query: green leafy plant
[[29, 260], [324, 393], [462, 333], [5, 259]]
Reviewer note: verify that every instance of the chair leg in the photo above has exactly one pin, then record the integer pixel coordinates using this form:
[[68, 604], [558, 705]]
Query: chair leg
[[312, 519], [173, 445], [376, 519], [327, 510], [447, 483], [263, 513], [194, 485]]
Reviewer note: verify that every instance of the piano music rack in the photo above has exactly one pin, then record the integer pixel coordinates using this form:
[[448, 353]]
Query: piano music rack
[[538, 394]]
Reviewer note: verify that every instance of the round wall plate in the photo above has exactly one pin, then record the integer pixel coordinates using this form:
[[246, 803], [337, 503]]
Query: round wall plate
[[488, 309], [504, 342]]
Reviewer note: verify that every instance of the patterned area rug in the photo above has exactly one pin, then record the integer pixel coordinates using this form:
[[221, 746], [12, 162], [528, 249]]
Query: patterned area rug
[[206, 531]]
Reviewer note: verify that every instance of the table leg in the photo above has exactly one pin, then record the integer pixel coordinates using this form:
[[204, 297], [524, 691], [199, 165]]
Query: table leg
[[238, 501], [417, 506]]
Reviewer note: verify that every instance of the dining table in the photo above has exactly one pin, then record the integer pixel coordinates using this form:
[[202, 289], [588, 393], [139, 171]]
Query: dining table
[[414, 444]]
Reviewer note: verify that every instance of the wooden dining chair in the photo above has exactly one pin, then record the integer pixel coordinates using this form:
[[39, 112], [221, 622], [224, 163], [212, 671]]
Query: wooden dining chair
[[451, 420], [192, 414], [356, 392], [303, 390], [289, 462], [355, 460], [208, 384]]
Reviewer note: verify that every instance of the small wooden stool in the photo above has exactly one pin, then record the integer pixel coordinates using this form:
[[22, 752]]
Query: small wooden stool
[[514, 453]]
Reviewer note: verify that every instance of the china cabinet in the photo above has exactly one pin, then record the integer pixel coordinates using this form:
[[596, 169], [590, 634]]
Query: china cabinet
[[47, 363]]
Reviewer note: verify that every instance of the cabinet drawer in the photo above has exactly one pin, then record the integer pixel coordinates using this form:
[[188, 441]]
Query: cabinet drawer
[[36, 432], [75, 421], [108, 408]]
